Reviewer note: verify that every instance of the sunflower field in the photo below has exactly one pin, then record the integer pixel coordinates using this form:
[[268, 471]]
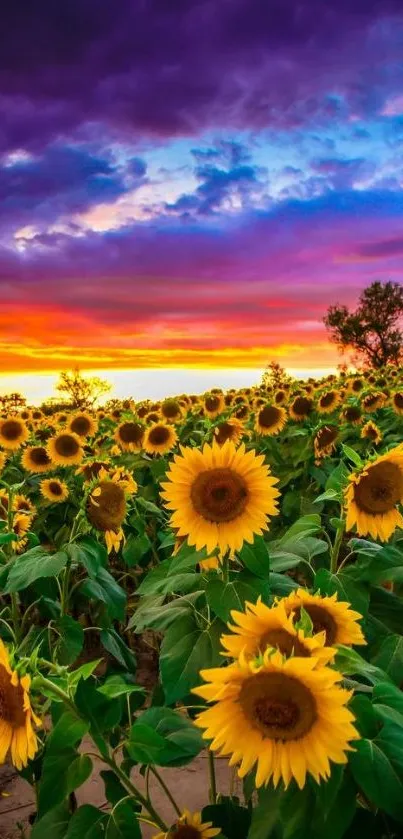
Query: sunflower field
[[216, 577]]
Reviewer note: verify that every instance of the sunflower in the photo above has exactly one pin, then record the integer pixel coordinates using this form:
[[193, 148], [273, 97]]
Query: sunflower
[[54, 490], [285, 715], [106, 510], [65, 449], [3, 504], [228, 399], [280, 396], [325, 440], [37, 415], [328, 615], [153, 417], [270, 420], [3, 460], [62, 418], [352, 414], [397, 402], [230, 429], [36, 459], [241, 412], [220, 495], [142, 410], [159, 438], [22, 504], [116, 413], [21, 526], [83, 425], [25, 415], [190, 826], [373, 401], [214, 404], [370, 431], [171, 410], [16, 715], [13, 433], [92, 468], [129, 436], [372, 495], [355, 385], [301, 407], [328, 402], [261, 626]]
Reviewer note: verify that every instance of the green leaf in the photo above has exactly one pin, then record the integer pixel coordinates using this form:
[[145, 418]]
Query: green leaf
[[388, 608], [282, 585], [103, 587], [87, 823], [304, 526], [350, 663], [135, 549], [172, 574], [304, 622], [68, 732], [328, 495], [83, 672], [6, 538], [116, 686], [62, 773], [53, 825], [224, 597], [297, 806], [164, 737], [388, 694], [149, 507], [90, 553], [352, 455], [266, 814], [228, 815], [377, 566], [389, 657], [122, 822], [376, 776], [115, 645], [338, 478], [71, 640], [102, 713], [185, 650], [333, 821], [256, 557], [153, 613], [114, 791], [33, 565], [347, 589]]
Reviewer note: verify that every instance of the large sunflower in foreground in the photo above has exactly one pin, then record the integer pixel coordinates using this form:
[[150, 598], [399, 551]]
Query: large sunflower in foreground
[[16, 715], [329, 615], [13, 433], [220, 495], [284, 715], [373, 494], [65, 449], [190, 826], [36, 459], [261, 626], [270, 420]]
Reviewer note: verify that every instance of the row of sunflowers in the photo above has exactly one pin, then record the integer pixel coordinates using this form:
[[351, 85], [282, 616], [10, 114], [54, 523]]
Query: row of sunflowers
[[252, 540]]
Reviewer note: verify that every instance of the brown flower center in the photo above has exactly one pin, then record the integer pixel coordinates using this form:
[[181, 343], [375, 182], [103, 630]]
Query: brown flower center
[[184, 831], [398, 400], [92, 470], [380, 490], [131, 432], [357, 385], [242, 412], [219, 495], [278, 706], [327, 399], [212, 403], [11, 429], [81, 426], [279, 397], [285, 642], [39, 456], [224, 431], [11, 701], [66, 445], [352, 413], [170, 409], [153, 416], [302, 406], [326, 436], [55, 488], [107, 510], [322, 621], [269, 416], [159, 435]]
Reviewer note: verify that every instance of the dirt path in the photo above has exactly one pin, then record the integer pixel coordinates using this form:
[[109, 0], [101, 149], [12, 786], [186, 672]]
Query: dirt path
[[189, 786]]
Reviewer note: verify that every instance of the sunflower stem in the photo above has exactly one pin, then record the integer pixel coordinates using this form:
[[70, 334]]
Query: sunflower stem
[[64, 600], [15, 614], [145, 802], [213, 784], [166, 790], [336, 547]]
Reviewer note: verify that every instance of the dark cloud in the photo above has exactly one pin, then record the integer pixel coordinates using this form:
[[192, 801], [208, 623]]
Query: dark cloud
[[158, 68], [385, 248]]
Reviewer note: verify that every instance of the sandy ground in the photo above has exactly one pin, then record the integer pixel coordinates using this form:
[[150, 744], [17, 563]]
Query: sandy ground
[[189, 786]]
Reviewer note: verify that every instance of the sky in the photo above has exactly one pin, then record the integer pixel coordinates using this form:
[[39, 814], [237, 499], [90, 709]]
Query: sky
[[192, 183]]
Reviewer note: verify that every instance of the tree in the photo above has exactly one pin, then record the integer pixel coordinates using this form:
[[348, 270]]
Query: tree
[[82, 392], [275, 376], [372, 331], [10, 402]]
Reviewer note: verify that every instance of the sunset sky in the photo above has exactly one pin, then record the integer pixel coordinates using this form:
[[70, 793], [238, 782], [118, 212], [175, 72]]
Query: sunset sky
[[193, 182]]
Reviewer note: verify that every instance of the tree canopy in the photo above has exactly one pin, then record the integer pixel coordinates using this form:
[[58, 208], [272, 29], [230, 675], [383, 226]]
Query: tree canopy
[[372, 331], [82, 391]]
